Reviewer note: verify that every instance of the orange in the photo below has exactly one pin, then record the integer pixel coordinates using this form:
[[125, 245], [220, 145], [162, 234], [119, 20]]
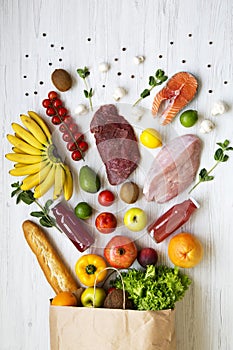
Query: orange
[[65, 299], [185, 250]]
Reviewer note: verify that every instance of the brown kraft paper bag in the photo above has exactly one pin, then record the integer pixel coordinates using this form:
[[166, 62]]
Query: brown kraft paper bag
[[73, 328]]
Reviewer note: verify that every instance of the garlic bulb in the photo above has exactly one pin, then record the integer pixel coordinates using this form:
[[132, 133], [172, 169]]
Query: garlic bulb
[[81, 109], [218, 108], [104, 67], [206, 126], [119, 93], [138, 59]]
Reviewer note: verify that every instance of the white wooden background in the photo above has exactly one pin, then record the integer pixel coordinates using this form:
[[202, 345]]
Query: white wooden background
[[175, 35]]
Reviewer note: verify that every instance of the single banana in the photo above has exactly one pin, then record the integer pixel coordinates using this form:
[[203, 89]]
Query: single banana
[[26, 136], [24, 158], [17, 150], [35, 179], [29, 169], [44, 186], [19, 165], [41, 123], [34, 128], [68, 184], [58, 181], [24, 146]]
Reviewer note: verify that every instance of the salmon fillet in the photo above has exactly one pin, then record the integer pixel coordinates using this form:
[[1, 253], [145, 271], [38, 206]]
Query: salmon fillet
[[178, 92]]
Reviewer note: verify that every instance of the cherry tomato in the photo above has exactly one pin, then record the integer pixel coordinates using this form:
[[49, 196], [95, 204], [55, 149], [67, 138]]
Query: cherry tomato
[[76, 155], [68, 120], [78, 136], [50, 111], [52, 95], [106, 222], [83, 146], [57, 103], [62, 111], [71, 146], [73, 127], [106, 198], [46, 103], [56, 120], [62, 128], [66, 137]]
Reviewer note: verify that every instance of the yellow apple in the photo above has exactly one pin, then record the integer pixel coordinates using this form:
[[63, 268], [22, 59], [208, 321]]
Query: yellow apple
[[135, 219]]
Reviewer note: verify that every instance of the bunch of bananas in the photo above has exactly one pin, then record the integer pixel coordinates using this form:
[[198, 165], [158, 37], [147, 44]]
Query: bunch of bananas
[[36, 158]]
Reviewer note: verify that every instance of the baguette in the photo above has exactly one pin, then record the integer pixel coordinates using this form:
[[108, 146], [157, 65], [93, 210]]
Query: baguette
[[52, 265]]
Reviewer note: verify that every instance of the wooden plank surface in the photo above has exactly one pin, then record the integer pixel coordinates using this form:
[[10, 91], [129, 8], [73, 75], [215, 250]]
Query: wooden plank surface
[[38, 36]]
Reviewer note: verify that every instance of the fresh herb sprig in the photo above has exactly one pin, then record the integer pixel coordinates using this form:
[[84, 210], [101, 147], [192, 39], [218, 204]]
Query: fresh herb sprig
[[88, 92], [154, 81], [28, 197], [220, 156]]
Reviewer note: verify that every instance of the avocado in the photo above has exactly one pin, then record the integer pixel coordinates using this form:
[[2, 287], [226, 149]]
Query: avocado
[[89, 181]]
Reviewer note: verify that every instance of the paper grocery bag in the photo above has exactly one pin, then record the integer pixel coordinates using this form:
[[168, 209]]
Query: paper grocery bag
[[73, 328]]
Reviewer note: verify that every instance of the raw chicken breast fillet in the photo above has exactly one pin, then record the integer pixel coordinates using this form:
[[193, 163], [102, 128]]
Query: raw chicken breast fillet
[[173, 169]]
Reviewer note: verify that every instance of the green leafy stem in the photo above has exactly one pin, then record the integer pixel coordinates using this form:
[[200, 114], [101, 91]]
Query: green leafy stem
[[28, 198], [88, 92], [220, 156], [154, 81]]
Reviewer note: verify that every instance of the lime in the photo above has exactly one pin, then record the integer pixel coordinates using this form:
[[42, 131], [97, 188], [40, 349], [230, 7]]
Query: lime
[[151, 138], [189, 118], [83, 210]]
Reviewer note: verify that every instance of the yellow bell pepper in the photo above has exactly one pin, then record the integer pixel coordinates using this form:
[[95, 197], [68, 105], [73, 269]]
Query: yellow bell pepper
[[88, 267]]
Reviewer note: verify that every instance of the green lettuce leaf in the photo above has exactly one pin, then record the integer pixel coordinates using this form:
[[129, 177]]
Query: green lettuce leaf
[[156, 288]]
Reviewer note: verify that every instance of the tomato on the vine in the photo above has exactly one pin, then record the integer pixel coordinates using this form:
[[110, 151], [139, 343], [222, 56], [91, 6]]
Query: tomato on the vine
[[83, 146], [106, 198], [52, 95], [76, 155]]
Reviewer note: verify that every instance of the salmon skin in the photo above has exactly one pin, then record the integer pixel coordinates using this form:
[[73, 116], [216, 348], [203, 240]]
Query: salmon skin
[[173, 169], [178, 92]]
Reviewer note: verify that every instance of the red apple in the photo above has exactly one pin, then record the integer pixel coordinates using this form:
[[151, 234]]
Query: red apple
[[120, 252], [147, 256], [106, 222]]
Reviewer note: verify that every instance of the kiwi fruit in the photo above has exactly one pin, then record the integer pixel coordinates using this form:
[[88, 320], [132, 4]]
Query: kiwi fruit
[[114, 300], [129, 192], [61, 79]]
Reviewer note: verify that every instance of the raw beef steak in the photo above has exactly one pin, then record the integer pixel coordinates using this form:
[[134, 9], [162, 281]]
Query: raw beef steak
[[116, 143]]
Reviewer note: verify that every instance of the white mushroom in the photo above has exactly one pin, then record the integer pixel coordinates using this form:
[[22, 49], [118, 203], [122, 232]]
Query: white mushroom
[[119, 93], [206, 126], [218, 108], [104, 67], [138, 59], [81, 110]]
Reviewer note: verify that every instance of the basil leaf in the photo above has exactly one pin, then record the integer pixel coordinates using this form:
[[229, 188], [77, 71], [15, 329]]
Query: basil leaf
[[145, 93], [226, 143], [37, 214], [48, 204], [86, 93], [27, 197], [46, 223], [159, 73], [218, 154], [152, 81]]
